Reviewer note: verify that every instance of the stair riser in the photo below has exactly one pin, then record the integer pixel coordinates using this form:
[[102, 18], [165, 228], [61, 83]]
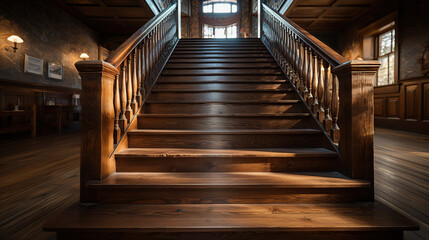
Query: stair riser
[[222, 86], [244, 78], [225, 164], [224, 55], [221, 108], [213, 96], [221, 60], [220, 141], [225, 123], [221, 195], [226, 51], [192, 72], [220, 65], [212, 47], [233, 235]]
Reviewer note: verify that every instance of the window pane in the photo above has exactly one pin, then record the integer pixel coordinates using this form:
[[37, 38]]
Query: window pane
[[383, 74], [208, 31], [207, 8], [393, 40], [234, 8], [232, 32], [222, 8], [385, 43], [392, 68], [220, 33]]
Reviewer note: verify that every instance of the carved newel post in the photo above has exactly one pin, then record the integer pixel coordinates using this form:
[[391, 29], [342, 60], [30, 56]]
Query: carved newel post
[[356, 118], [98, 117]]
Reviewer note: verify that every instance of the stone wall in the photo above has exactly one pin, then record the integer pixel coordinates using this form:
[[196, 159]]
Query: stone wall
[[49, 33]]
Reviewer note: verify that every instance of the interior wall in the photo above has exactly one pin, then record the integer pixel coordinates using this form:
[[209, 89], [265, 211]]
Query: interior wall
[[49, 33]]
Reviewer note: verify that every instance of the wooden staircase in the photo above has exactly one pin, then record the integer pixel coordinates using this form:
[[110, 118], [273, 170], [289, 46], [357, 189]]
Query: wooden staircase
[[225, 148]]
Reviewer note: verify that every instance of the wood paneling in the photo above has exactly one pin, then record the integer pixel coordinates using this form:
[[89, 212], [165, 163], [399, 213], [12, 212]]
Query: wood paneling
[[403, 106], [411, 102]]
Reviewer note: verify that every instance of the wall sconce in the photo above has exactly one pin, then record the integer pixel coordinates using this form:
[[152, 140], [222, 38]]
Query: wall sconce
[[84, 56], [15, 39]]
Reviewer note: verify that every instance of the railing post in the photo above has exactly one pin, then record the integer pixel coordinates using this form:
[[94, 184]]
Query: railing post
[[98, 117], [356, 118]]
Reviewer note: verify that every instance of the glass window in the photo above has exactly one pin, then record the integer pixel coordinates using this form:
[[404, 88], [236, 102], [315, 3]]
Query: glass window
[[386, 56], [220, 31], [208, 8], [219, 7]]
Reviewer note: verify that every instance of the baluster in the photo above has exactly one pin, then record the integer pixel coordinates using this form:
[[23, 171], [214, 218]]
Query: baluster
[[117, 107], [134, 104], [305, 73], [328, 92], [139, 74], [129, 112], [301, 66], [320, 92], [335, 130], [123, 121], [144, 68], [315, 82], [310, 77]]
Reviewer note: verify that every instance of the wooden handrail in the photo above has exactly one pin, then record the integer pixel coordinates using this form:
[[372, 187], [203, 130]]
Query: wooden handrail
[[339, 94], [125, 49], [114, 91], [318, 46]]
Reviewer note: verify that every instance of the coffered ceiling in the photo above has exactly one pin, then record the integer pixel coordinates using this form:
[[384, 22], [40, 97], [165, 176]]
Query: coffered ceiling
[[110, 17], [321, 15]]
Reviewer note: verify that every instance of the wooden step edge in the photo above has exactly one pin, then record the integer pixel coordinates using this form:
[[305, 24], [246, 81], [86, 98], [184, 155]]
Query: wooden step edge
[[164, 81], [166, 115], [169, 67], [285, 90], [177, 74], [302, 180], [247, 102], [297, 218], [140, 153], [188, 56], [223, 131]]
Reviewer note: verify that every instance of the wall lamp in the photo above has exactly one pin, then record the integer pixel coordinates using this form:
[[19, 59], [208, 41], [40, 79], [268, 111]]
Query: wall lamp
[[15, 39], [84, 56]]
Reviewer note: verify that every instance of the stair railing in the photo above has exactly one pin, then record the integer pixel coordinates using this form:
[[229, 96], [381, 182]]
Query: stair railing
[[338, 93], [114, 90]]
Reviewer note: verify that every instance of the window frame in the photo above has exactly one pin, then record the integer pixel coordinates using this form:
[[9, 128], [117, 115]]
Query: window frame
[[370, 42], [220, 2], [393, 51], [226, 27]]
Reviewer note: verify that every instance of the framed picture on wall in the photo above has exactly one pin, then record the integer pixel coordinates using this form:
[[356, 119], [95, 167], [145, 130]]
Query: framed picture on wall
[[33, 65], [55, 71]]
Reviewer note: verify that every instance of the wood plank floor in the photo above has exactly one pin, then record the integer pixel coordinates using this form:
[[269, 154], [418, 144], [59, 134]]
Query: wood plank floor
[[402, 176], [40, 176], [37, 177]]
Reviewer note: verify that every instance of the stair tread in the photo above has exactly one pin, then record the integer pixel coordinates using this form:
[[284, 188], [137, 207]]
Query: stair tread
[[223, 90], [224, 131], [230, 217], [224, 101], [230, 179], [224, 115], [195, 152]]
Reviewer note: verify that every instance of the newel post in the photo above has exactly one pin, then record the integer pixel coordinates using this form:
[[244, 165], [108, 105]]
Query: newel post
[[356, 118], [98, 116]]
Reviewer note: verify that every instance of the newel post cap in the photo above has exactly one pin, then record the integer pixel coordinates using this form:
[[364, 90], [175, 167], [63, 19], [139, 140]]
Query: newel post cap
[[96, 67], [357, 65]]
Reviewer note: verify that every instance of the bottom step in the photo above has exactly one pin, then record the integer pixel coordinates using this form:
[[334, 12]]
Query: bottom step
[[231, 221]]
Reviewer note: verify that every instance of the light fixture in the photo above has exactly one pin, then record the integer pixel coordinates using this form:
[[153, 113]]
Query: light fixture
[[15, 39], [84, 56]]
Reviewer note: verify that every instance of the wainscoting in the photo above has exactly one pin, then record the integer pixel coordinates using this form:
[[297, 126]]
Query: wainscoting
[[403, 106]]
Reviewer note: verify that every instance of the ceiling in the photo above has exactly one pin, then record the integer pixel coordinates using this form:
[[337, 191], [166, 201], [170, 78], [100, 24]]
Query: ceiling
[[326, 15], [112, 19]]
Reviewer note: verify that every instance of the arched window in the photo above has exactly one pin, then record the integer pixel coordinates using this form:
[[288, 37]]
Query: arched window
[[220, 6]]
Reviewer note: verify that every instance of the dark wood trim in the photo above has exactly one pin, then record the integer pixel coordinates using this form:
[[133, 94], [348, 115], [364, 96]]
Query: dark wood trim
[[38, 87], [408, 126], [395, 88]]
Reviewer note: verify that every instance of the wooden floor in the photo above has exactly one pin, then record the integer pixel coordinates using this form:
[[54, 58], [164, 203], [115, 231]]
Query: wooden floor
[[402, 176], [37, 177], [40, 176]]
